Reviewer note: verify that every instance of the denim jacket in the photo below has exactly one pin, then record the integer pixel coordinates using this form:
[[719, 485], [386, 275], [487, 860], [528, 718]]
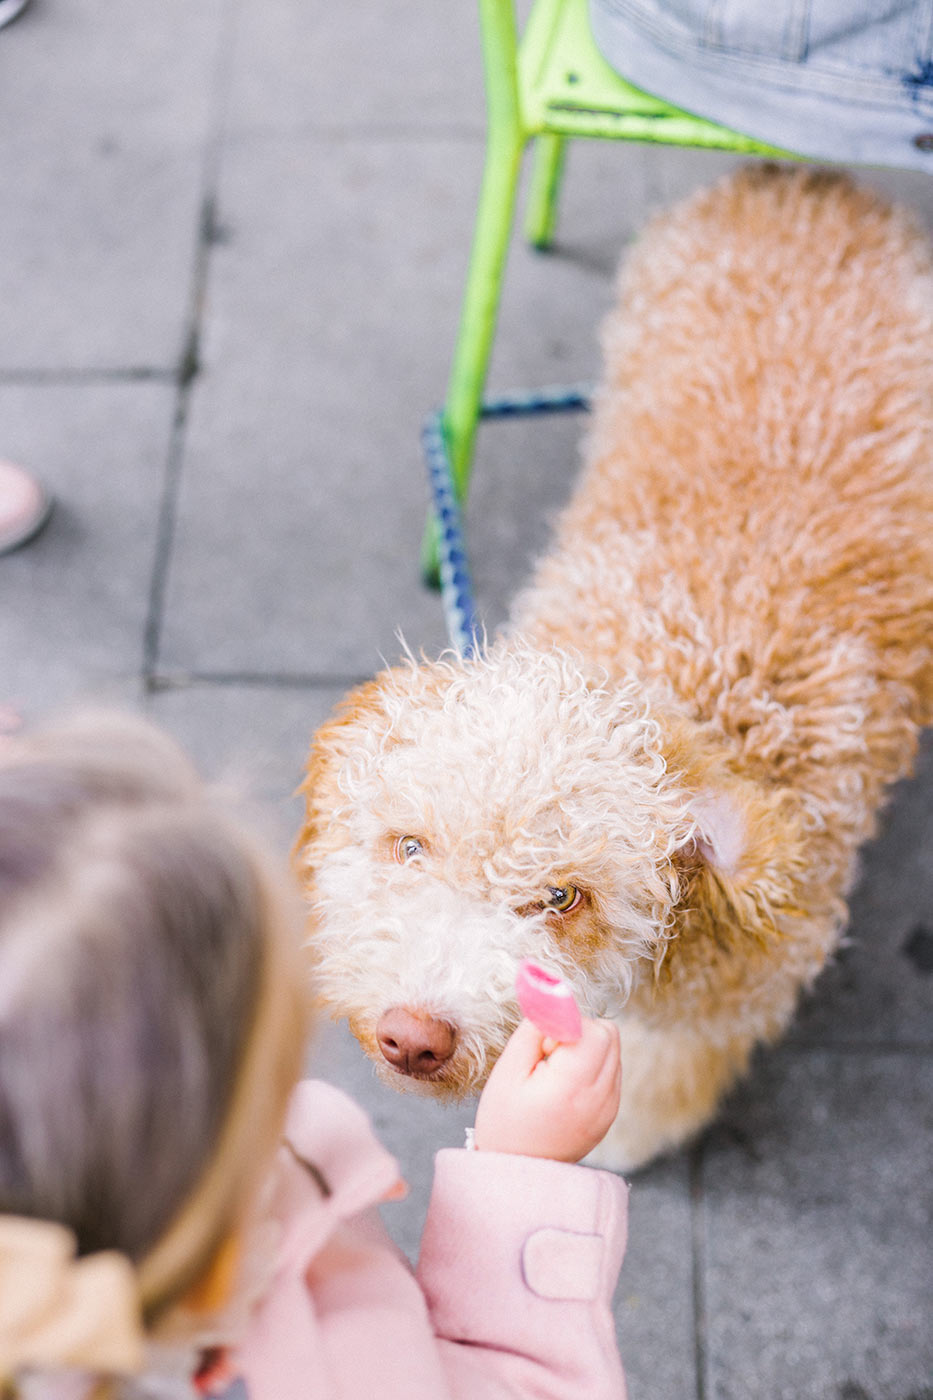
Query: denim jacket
[[837, 80]]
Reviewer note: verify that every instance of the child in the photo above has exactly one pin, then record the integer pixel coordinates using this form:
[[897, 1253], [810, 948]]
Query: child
[[152, 1026]]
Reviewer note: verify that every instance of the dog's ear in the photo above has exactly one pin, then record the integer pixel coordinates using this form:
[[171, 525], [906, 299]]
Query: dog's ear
[[740, 874], [722, 828], [720, 806], [364, 726], [743, 854]]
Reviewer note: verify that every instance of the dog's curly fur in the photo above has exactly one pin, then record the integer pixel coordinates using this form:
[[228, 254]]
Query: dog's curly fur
[[703, 694]]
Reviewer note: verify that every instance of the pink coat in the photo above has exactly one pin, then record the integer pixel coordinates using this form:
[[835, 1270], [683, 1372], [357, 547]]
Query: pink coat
[[512, 1293]]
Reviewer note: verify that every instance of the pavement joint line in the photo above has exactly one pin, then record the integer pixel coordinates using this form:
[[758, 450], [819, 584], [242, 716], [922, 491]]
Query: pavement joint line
[[90, 374], [372, 134], [920, 1048], [160, 682], [698, 1267], [187, 368], [165, 534]]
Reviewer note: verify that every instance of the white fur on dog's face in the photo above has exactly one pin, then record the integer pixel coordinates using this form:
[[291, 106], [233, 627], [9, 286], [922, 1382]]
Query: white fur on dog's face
[[518, 776]]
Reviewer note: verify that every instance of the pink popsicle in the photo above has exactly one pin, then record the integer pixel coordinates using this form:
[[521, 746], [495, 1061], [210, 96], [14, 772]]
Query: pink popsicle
[[548, 1002]]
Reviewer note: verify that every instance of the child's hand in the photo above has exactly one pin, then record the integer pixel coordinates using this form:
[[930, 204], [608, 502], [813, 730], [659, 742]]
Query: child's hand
[[557, 1105]]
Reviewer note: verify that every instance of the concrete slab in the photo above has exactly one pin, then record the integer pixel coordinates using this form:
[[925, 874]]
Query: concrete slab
[[879, 990], [414, 66], [311, 399], [253, 740], [818, 1240], [524, 471], [105, 112], [326, 340], [75, 601], [654, 1305], [111, 69], [116, 291]]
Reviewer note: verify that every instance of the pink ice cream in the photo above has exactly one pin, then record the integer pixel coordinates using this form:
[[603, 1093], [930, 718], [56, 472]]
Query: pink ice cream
[[548, 1003]]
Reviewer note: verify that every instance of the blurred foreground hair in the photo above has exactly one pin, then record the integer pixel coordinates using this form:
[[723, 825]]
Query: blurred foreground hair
[[152, 1017]]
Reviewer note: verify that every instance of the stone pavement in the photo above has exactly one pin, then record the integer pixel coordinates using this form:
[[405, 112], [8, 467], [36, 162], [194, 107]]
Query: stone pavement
[[234, 238]]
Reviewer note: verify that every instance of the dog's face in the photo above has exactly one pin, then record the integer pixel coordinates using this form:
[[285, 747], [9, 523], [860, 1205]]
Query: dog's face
[[463, 816]]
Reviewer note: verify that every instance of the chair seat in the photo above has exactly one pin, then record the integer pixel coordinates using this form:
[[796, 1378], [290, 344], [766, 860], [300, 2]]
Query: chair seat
[[567, 88]]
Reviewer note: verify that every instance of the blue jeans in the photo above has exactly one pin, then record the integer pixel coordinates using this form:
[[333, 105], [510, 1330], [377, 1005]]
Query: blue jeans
[[837, 80]]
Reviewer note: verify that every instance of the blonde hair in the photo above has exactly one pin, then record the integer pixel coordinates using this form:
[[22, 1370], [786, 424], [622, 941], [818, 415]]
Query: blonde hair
[[152, 1015]]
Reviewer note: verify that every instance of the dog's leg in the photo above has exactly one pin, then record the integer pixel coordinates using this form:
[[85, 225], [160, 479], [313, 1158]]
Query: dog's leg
[[672, 1081]]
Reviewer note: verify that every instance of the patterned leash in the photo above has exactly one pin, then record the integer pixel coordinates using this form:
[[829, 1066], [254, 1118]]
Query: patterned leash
[[456, 581]]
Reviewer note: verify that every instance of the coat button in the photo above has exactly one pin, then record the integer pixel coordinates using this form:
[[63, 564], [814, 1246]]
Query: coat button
[[924, 142]]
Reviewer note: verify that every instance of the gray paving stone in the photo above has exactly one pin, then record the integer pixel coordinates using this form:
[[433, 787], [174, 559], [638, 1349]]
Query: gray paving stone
[[314, 389], [326, 341], [880, 987], [654, 1303], [414, 64], [75, 600], [524, 471], [910, 187], [819, 1231], [102, 68], [104, 114], [115, 291], [251, 739]]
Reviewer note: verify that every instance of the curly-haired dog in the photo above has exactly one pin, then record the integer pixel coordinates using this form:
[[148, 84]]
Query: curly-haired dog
[[658, 779]]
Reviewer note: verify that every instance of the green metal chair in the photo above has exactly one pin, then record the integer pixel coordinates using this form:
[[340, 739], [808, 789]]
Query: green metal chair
[[549, 84]]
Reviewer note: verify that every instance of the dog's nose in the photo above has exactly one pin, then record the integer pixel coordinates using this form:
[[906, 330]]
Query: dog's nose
[[413, 1042]]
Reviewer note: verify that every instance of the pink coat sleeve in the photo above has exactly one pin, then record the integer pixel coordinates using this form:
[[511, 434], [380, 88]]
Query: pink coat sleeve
[[519, 1260]]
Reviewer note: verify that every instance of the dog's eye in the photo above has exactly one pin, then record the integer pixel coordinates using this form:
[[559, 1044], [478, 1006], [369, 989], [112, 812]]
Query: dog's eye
[[563, 898], [406, 847]]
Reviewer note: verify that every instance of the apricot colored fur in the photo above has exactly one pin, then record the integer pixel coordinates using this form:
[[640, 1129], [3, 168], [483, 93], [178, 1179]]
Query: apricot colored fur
[[703, 694]]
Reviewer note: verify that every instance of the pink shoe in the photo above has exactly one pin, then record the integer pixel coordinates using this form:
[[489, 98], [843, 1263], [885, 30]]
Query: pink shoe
[[24, 507]]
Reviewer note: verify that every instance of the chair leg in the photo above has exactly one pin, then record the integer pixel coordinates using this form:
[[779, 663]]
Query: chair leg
[[544, 189], [477, 322]]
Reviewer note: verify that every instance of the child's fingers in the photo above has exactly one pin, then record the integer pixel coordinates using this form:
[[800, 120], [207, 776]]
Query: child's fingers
[[586, 1059], [606, 1091], [613, 1071], [613, 1061], [525, 1050], [609, 1084]]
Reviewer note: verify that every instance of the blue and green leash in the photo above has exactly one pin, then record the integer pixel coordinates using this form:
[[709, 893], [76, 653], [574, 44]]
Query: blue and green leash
[[456, 580]]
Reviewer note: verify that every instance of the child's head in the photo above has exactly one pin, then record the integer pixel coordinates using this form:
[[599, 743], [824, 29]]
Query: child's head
[[151, 1007]]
